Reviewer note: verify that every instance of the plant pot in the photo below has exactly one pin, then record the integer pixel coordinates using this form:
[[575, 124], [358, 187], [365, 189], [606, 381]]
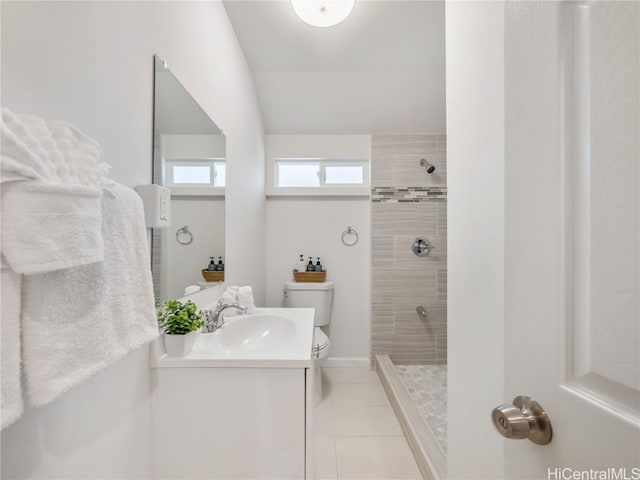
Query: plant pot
[[179, 345]]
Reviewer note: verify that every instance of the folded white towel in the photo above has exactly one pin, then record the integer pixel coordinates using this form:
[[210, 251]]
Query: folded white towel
[[46, 227], [23, 158], [53, 152], [245, 298], [52, 183], [230, 296], [79, 320], [191, 289], [11, 406]]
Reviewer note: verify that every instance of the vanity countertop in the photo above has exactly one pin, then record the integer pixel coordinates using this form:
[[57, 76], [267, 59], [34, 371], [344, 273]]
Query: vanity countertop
[[266, 338]]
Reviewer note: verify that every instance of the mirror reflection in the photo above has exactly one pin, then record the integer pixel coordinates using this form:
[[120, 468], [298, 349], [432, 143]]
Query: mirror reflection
[[189, 159]]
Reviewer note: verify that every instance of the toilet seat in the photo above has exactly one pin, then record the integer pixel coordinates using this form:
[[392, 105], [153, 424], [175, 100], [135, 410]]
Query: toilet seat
[[320, 343]]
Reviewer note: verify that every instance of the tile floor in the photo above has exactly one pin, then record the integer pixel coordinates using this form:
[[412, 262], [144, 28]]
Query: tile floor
[[356, 433]]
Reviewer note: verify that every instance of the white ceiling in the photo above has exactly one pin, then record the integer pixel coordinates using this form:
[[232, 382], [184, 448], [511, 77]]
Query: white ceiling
[[382, 70]]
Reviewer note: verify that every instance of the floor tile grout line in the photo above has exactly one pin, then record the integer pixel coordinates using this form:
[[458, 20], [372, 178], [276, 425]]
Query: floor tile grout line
[[335, 456]]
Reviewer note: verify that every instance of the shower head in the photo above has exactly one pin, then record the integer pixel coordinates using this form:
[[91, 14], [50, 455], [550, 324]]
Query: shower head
[[427, 166]]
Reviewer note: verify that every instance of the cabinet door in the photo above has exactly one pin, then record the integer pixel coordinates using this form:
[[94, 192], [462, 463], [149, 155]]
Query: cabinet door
[[229, 423]]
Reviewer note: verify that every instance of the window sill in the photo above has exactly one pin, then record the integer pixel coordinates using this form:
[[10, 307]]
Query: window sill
[[318, 192], [197, 191]]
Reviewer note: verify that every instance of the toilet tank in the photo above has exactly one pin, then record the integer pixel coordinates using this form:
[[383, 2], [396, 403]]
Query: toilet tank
[[318, 295]]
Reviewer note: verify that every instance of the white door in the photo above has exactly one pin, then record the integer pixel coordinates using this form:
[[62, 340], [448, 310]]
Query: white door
[[569, 281], [572, 325]]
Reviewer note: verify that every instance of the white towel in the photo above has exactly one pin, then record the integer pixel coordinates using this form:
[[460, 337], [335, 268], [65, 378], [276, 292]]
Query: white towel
[[229, 297], [53, 152], [79, 320], [245, 298], [46, 227], [191, 289], [52, 183], [11, 406]]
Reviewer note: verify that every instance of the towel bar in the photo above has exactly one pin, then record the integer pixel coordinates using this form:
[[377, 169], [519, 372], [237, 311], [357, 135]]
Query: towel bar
[[349, 232], [184, 231]]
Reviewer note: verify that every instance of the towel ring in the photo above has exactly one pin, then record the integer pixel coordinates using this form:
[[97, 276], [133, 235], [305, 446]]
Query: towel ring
[[184, 232], [349, 232]]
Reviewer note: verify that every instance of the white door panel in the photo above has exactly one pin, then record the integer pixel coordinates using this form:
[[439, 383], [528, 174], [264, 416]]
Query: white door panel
[[544, 239], [572, 231]]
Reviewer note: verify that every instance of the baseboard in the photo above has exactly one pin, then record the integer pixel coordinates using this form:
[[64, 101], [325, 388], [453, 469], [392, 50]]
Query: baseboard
[[348, 362]]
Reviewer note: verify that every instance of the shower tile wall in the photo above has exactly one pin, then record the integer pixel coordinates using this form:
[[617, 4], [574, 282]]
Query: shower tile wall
[[408, 202], [156, 233]]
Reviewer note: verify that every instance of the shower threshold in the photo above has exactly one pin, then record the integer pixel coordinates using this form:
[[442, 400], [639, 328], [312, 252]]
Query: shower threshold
[[427, 443]]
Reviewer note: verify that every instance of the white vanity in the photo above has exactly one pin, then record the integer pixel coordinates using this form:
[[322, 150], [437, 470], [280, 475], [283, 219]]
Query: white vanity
[[239, 406]]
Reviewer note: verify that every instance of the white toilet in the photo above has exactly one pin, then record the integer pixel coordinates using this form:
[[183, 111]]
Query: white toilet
[[318, 295]]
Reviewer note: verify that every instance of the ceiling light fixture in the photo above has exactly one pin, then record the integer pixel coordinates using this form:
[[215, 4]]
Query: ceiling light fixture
[[321, 13]]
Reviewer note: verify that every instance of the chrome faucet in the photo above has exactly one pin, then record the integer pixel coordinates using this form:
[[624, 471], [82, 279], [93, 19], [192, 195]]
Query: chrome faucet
[[213, 319]]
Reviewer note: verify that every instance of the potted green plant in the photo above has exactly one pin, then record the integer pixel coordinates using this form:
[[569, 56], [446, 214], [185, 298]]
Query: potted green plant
[[181, 324]]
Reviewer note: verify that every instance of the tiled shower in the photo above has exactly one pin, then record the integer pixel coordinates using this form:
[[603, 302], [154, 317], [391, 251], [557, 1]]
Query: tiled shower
[[408, 202]]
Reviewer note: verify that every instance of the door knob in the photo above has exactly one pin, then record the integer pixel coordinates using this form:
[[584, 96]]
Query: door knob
[[524, 419]]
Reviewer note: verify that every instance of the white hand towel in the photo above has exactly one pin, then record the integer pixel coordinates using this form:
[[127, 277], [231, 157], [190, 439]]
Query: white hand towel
[[245, 298], [80, 320], [229, 297], [52, 153], [47, 227], [11, 406], [191, 289], [52, 183]]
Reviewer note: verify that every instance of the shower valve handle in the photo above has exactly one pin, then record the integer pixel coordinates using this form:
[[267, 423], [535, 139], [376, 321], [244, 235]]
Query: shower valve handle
[[421, 246]]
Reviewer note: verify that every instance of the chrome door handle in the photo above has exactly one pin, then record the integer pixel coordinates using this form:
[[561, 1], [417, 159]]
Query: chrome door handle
[[524, 419]]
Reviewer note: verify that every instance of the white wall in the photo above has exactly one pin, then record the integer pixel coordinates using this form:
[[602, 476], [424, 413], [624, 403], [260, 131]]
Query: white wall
[[90, 63], [313, 226], [476, 219], [193, 146], [183, 263]]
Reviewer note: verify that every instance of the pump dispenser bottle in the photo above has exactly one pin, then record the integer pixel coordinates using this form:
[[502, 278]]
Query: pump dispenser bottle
[[301, 266], [310, 267], [212, 265]]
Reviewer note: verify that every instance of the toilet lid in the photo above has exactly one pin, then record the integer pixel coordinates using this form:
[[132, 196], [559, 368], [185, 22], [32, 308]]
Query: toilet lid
[[320, 339]]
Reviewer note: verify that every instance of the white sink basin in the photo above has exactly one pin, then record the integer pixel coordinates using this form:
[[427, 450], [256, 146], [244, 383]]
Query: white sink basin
[[266, 338], [257, 331]]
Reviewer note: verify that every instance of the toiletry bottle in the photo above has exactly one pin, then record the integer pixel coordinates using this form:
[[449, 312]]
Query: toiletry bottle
[[310, 267], [212, 265], [220, 266], [318, 265], [302, 266]]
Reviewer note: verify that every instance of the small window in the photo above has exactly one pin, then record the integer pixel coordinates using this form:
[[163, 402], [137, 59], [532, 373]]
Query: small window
[[298, 174], [344, 174], [191, 174], [196, 173], [321, 173]]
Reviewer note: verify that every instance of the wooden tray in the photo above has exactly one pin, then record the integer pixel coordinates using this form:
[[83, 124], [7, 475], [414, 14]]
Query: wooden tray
[[309, 276], [211, 276]]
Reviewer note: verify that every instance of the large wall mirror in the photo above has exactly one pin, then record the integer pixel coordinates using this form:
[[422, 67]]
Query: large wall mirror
[[189, 159]]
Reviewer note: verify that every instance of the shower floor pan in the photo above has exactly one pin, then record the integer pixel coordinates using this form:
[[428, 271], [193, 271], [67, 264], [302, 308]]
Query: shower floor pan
[[418, 396]]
